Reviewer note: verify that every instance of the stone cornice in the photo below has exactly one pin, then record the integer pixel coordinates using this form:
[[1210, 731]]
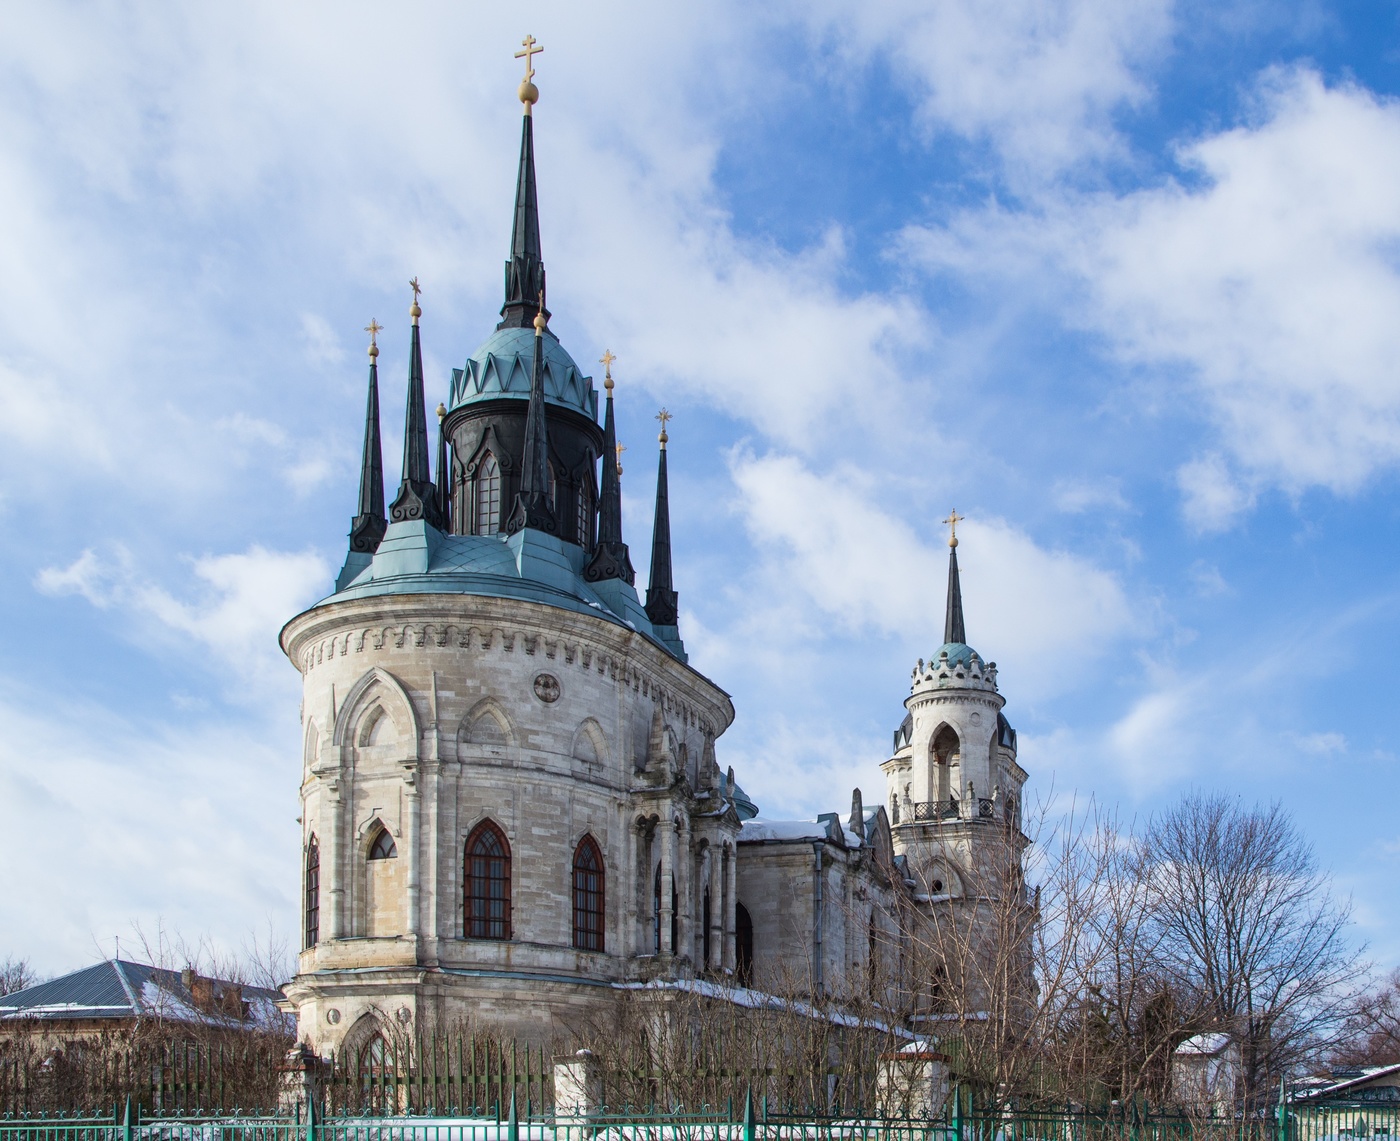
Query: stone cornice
[[492, 625]]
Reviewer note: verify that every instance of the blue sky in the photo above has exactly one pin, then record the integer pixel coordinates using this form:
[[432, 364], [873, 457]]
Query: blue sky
[[1119, 279]]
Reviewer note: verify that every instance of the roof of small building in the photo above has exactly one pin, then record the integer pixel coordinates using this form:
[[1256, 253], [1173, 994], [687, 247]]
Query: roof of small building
[[1342, 1081], [118, 989], [1204, 1045], [501, 367]]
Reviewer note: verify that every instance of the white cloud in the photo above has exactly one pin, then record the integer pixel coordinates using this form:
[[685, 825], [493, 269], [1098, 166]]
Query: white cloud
[[1273, 278], [235, 609], [866, 569], [1075, 496], [1040, 78], [1212, 498]]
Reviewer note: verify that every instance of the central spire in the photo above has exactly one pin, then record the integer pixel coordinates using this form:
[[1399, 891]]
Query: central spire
[[525, 268], [954, 630]]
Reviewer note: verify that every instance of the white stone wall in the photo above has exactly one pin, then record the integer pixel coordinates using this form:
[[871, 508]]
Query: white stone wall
[[429, 714]]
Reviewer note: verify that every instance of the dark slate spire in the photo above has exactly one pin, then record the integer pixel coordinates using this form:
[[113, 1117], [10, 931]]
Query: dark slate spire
[[610, 556], [417, 497], [525, 269], [367, 528], [444, 472], [661, 599], [532, 507], [953, 628]]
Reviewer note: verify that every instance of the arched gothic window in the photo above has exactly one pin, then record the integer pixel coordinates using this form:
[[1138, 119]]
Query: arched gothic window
[[383, 847], [487, 884], [743, 945], [488, 496], [313, 894], [588, 896]]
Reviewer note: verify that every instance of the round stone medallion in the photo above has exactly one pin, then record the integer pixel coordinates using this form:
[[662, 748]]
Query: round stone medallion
[[547, 688], [333, 1016]]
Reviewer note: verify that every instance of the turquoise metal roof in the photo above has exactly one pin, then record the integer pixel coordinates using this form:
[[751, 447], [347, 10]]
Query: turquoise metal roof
[[958, 653], [415, 558], [501, 367]]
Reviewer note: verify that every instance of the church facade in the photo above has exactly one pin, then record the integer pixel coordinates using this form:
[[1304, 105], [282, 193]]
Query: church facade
[[513, 805]]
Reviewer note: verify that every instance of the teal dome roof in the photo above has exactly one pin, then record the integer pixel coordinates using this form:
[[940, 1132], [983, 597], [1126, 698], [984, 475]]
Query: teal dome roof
[[958, 653], [744, 807], [501, 367]]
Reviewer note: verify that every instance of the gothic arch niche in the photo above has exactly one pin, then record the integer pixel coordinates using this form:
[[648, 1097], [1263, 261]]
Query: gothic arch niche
[[378, 719], [313, 743], [385, 880], [485, 731], [945, 753], [942, 879], [590, 747]]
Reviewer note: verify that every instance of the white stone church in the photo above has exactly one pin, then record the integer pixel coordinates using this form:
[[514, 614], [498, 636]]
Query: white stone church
[[513, 801]]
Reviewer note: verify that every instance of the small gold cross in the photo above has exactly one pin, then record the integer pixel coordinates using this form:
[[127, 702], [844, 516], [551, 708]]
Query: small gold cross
[[953, 520], [664, 416], [620, 449], [413, 285], [373, 329], [532, 48]]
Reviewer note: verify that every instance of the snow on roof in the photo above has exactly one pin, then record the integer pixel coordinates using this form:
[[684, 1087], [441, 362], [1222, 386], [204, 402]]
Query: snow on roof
[[120, 989], [794, 831], [760, 1000], [1323, 1087], [1204, 1045]]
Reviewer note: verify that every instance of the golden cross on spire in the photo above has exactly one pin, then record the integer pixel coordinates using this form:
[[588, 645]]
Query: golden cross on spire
[[620, 449], [529, 93], [531, 49], [953, 520], [606, 361], [415, 312], [663, 416], [373, 329], [540, 319]]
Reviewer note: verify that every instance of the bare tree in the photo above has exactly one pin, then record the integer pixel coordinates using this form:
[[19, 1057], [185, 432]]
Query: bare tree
[[1370, 1036], [16, 974], [1247, 924]]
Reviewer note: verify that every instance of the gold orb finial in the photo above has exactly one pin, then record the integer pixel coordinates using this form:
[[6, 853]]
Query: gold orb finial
[[606, 361], [620, 449], [540, 319], [663, 416], [373, 330], [442, 412], [415, 312], [528, 92], [953, 520]]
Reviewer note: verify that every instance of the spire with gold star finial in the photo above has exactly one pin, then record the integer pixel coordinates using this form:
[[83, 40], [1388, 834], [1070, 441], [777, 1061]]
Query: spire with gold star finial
[[525, 267], [611, 558], [368, 526], [954, 629], [662, 599]]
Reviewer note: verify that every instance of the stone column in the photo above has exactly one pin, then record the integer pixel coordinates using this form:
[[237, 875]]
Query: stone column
[[335, 808], [668, 864], [578, 1087], [411, 828], [719, 900], [685, 893], [731, 902]]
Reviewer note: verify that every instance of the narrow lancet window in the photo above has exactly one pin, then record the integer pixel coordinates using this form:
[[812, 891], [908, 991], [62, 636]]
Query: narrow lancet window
[[487, 884], [488, 496], [588, 896], [313, 894], [585, 516]]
